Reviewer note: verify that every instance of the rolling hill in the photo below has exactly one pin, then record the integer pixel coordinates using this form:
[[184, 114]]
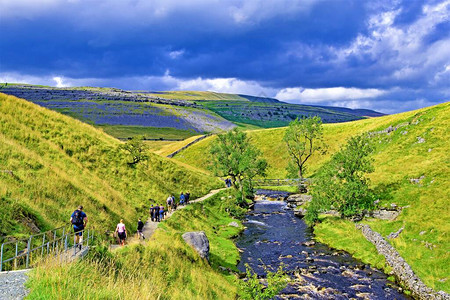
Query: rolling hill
[[412, 170], [173, 114], [51, 163]]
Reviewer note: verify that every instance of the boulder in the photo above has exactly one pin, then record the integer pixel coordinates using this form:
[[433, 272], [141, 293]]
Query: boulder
[[199, 241], [299, 199]]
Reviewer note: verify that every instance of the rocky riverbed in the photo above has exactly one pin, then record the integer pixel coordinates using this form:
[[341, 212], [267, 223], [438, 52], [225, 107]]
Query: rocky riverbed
[[274, 236]]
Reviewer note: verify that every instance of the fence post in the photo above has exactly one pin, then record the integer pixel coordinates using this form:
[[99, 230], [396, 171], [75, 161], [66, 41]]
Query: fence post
[[28, 252], [1, 259], [74, 245], [65, 243], [15, 259], [42, 246]]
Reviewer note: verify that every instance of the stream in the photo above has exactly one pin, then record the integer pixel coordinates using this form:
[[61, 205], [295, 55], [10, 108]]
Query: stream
[[273, 235]]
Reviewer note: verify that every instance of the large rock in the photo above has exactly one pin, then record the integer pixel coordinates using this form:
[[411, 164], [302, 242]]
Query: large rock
[[299, 199], [199, 241]]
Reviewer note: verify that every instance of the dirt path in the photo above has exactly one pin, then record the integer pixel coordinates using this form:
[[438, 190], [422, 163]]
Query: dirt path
[[150, 227]]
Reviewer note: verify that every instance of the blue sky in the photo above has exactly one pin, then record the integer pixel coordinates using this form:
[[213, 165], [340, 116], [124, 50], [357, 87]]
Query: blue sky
[[390, 56]]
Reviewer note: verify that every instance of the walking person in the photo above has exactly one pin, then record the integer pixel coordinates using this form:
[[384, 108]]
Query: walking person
[[161, 213], [122, 232], [182, 199], [152, 213], [156, 213], [187, 196], [140, 229], [169, 202], [79, 220]]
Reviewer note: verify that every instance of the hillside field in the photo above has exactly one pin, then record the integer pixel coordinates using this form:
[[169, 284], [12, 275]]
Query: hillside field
[[417, 149], [51, 163]]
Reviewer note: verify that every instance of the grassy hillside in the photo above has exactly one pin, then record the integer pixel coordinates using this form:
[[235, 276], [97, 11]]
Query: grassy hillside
[[419, 147], [165, 268], [51, 163]]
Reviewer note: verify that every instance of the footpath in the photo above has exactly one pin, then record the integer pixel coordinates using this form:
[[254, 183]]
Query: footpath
[[12, 283], [150, 227]]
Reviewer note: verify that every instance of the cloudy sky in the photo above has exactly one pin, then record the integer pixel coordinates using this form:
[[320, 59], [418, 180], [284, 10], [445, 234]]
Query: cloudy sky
[[388, 55]]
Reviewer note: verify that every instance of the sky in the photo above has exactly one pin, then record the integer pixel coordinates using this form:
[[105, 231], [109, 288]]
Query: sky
[[390, 56]]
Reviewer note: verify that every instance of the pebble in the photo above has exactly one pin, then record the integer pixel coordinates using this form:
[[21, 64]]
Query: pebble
[[12, 285]]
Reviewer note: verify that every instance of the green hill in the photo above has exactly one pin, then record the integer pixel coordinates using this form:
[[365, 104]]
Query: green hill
[[416, 148], [51, 163], [172, 115]]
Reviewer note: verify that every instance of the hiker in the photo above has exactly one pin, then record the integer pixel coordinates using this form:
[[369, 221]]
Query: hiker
[[161, 213], [156, 213], [187, 196], [169, 202], [79, 220], [228, 182], [140, 229], [152, 215], [122, 232], [182, 199]]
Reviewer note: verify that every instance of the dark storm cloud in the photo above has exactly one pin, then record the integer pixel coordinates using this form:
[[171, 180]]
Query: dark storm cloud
[[271, 46]]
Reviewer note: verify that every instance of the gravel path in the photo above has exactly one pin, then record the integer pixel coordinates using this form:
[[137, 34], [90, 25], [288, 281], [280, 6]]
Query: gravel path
[[150, 227], [12, 284]]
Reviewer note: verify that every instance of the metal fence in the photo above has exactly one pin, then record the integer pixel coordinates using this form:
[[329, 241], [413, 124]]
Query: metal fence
[[26, 252]]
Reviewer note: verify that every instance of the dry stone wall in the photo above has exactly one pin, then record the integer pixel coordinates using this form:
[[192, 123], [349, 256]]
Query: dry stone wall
[[400, 267]]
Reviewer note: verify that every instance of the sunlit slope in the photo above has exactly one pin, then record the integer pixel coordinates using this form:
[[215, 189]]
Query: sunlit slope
[[51, 163], [412, 170], [270, 141]]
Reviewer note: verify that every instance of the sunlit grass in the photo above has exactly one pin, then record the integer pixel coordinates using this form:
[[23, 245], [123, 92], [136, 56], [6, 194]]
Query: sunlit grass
[[164, 268]]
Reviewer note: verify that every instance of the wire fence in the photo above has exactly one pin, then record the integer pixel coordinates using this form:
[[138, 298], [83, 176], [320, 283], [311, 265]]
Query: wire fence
[[27, 252]]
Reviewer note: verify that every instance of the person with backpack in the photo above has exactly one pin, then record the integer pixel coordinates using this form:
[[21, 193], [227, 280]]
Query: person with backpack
[[122, 232], [79, 220], [187, 196], [182, 199], [169, 202], [140, 229]]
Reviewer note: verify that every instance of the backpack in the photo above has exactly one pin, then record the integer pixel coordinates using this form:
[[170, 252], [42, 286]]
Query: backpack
[[77, 218]]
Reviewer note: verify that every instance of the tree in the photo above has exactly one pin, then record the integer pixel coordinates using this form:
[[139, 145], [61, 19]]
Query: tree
[[136, 150], [303, 137], [233, 156], [341, 183]]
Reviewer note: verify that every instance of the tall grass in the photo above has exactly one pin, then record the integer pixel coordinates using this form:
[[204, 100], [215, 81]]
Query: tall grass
[[58, 163], [164, 268]]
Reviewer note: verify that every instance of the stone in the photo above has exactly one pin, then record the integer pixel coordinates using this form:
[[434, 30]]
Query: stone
[[384, 214], [299, 199], [309, 243], [394, 235], [199, 241], [300, 212], [429, 150], [234, 224], [417, 180], [420, 140], [422, 232]]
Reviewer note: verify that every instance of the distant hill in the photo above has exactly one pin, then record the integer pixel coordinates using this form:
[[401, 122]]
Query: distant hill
[[173, 114]]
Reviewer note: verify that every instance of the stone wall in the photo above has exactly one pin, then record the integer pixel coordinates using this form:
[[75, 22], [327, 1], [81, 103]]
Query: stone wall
[[400, 267]]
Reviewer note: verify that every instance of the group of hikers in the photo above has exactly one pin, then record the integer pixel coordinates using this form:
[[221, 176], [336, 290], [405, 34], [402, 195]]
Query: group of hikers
[[157, 214]]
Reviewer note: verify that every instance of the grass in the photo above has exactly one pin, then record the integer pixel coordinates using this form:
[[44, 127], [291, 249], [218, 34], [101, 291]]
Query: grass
[[164, 268], [172, 147], [196, 95], [58, 163], [397, 159], [125, 132]]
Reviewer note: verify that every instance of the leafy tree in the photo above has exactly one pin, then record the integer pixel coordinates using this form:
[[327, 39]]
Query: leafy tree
[[233, 156], [303, 137], [254, 289], [136, 149], [341, 183]]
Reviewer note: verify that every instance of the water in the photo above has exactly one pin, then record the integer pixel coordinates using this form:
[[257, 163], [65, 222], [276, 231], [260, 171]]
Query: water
[[274, 236]]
